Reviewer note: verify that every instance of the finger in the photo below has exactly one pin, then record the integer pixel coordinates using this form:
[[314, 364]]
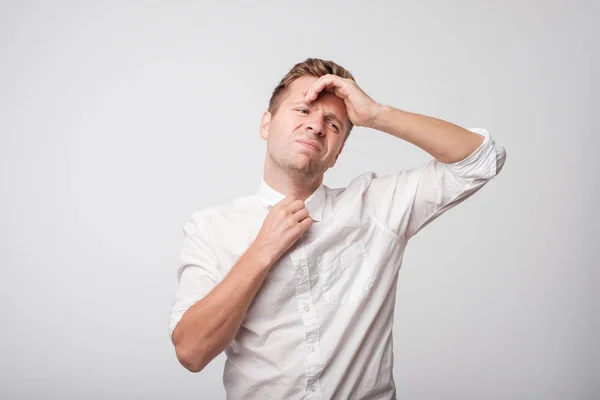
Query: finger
[[286, 201], [305, 224], [295, 206], [327, 89], [301, 214], [319, 85], [337, 86], [326, 81]]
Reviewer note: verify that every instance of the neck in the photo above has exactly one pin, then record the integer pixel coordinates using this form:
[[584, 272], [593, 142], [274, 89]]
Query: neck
[[298, 185]]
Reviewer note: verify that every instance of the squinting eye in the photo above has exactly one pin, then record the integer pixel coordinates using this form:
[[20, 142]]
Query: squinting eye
[[302, 110], [334, 125]]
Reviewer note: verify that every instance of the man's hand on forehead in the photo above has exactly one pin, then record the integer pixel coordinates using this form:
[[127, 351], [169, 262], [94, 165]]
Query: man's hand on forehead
[[361, 109]]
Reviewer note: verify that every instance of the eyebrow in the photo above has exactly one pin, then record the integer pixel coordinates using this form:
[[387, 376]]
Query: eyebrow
[[329, 115]]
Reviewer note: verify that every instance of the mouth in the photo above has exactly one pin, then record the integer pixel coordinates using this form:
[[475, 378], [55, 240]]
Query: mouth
[[309, 145]]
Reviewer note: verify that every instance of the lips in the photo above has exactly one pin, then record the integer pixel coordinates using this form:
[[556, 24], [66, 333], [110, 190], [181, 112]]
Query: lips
[[310, 144]]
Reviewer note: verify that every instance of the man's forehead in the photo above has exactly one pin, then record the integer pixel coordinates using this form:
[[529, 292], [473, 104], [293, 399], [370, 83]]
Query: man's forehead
[[298, 88], [332, 104], [303, 82]]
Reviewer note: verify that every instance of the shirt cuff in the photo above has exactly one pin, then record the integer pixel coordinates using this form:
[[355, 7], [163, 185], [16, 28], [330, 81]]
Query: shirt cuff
[[481, 163]]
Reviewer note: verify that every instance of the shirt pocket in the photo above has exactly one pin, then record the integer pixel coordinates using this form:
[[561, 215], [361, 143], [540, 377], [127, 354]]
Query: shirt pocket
[[344, 272]]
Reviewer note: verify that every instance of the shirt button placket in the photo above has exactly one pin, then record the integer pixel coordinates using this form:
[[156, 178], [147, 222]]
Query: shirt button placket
[[310, 322]]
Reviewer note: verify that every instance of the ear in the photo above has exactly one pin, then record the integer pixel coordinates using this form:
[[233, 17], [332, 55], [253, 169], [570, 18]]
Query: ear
[[265, 124]]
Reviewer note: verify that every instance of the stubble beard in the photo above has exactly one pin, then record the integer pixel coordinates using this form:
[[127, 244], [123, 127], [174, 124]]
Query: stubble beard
[[308, 172]]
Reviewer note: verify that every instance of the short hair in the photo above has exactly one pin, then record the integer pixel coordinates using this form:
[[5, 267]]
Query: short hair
[[310, 67]]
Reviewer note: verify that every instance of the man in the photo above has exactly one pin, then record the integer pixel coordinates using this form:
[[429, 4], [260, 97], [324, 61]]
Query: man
[[297, 283]]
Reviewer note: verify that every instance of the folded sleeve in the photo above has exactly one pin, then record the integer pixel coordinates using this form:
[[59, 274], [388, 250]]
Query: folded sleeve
[[409, 200], [198, 271]]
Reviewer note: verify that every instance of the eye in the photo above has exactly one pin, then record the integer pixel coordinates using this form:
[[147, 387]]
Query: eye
[[334, 126], [303, 110]]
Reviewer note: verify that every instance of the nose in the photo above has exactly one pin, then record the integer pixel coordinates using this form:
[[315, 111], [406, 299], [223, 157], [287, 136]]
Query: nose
[[316, 126]]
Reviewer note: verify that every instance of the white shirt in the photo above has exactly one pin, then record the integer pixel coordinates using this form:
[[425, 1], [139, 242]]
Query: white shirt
[[320, 326]]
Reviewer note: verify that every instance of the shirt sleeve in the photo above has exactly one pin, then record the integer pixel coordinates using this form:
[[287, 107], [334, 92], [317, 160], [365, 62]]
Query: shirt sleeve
[[198, 271], [407, 201]]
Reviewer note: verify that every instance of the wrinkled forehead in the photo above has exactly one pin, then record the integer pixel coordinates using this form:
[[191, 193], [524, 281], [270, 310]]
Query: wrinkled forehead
[[302, 84], [298, 88]]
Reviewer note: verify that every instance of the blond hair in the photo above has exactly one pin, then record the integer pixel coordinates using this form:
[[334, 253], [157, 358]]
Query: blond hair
[[309, 67]]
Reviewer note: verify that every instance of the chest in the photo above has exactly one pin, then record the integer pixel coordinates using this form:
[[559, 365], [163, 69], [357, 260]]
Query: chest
[[332, 264]]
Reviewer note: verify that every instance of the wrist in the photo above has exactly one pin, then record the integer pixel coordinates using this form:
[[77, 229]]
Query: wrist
[[260, 256], [378, 115]]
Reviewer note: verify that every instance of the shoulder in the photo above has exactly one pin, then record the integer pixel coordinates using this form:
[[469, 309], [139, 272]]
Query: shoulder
[[210, 222], [207, 215]]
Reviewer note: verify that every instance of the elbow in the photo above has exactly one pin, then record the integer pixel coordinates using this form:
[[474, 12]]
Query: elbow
[[190, 360], [190, 357], [192, 367]]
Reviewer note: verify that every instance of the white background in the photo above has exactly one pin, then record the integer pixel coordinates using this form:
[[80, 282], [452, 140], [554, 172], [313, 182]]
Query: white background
[[118, 120]]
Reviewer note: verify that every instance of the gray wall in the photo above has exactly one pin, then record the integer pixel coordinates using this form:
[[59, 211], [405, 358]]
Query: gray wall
[[118, 120]]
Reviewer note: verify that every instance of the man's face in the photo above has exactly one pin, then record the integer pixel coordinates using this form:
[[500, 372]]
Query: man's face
[[296, 125]]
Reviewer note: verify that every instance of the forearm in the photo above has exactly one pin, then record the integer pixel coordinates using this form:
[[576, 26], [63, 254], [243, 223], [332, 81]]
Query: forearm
[[445, 141], [208, 326]]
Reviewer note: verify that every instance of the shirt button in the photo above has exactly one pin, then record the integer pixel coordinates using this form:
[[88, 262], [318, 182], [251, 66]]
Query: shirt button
[[306, 308], [312, 348], [302, 271], [312, 388]]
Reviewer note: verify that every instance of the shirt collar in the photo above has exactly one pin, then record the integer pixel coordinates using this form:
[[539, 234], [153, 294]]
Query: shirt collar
[[314, 203]]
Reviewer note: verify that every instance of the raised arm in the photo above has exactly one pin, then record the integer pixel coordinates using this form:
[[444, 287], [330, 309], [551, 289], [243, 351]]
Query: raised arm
[[445, 141]]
